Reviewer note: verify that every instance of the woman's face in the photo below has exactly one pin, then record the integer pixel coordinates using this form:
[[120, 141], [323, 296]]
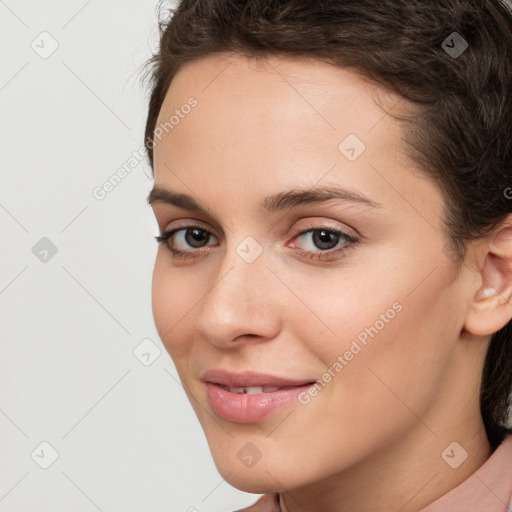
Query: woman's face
[[269, 287]]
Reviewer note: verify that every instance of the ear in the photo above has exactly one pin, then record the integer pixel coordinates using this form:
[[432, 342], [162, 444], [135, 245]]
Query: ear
[[491, 307]]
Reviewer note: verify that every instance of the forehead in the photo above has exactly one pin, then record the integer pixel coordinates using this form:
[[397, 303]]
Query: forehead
[[279, 121], [273, 102], [297, 85]]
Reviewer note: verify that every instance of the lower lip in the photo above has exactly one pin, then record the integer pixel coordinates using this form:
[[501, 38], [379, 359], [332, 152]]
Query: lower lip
[[249, 408]]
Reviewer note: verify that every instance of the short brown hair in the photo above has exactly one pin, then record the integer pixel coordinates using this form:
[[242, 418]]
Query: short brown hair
[[462, 125]]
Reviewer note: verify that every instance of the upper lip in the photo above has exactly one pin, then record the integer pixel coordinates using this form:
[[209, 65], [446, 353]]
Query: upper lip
[[248, 378]]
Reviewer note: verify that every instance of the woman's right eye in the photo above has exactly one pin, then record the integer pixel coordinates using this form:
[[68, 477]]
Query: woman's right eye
[[176, 239]]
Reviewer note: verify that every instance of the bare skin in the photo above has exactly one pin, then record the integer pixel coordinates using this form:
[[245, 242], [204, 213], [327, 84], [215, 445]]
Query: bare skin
[[372, 439]]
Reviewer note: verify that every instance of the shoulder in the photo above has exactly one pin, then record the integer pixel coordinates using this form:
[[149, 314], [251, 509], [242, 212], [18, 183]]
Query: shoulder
[[266, 503], [489, 489]]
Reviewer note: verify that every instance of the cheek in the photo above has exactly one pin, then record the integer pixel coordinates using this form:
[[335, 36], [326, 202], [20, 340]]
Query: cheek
[[172, 304], [382, 341]]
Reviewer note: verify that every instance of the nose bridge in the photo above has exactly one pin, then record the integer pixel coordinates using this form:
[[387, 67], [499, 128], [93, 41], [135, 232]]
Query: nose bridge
[[240, 300]]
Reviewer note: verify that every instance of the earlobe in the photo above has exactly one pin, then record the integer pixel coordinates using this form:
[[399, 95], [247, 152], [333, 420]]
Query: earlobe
[[491, 305]]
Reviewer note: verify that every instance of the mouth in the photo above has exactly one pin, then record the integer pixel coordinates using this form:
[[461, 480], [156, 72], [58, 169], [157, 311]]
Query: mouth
[[256, 390], [249, 379], [250, 397]]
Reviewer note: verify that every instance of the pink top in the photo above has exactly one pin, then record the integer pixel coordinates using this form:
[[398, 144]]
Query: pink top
[[489, 489]]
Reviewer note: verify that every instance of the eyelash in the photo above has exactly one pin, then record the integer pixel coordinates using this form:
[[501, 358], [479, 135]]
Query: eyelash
[[164, 238]]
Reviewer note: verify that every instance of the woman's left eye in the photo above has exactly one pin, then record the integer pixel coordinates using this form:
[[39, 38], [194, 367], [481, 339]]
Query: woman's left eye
[[326, 241]]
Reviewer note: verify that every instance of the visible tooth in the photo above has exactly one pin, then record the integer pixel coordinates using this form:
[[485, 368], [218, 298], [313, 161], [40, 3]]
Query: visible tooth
[[253, 390]]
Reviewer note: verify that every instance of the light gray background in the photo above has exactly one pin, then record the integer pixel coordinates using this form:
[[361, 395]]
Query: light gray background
[[126, 436]]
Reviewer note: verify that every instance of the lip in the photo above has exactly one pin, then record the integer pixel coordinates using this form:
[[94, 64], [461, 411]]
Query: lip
[[250, 408], [249, 378]]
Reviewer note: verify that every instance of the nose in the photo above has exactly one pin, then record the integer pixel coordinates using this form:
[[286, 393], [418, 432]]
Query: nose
[[243, 303]]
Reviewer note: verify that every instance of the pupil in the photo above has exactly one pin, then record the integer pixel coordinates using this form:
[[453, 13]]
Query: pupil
[[197, 237], [324, 239]]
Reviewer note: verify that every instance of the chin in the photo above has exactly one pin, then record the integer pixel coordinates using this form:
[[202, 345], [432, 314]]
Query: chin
[[255, 484], [253, 479]]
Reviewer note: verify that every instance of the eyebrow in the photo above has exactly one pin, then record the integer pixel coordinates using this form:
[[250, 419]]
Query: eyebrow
[[274, 203]]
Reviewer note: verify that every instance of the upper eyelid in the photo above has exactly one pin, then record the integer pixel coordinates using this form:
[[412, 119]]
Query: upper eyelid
[[190, 223], [325, 225], [301, 231]]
